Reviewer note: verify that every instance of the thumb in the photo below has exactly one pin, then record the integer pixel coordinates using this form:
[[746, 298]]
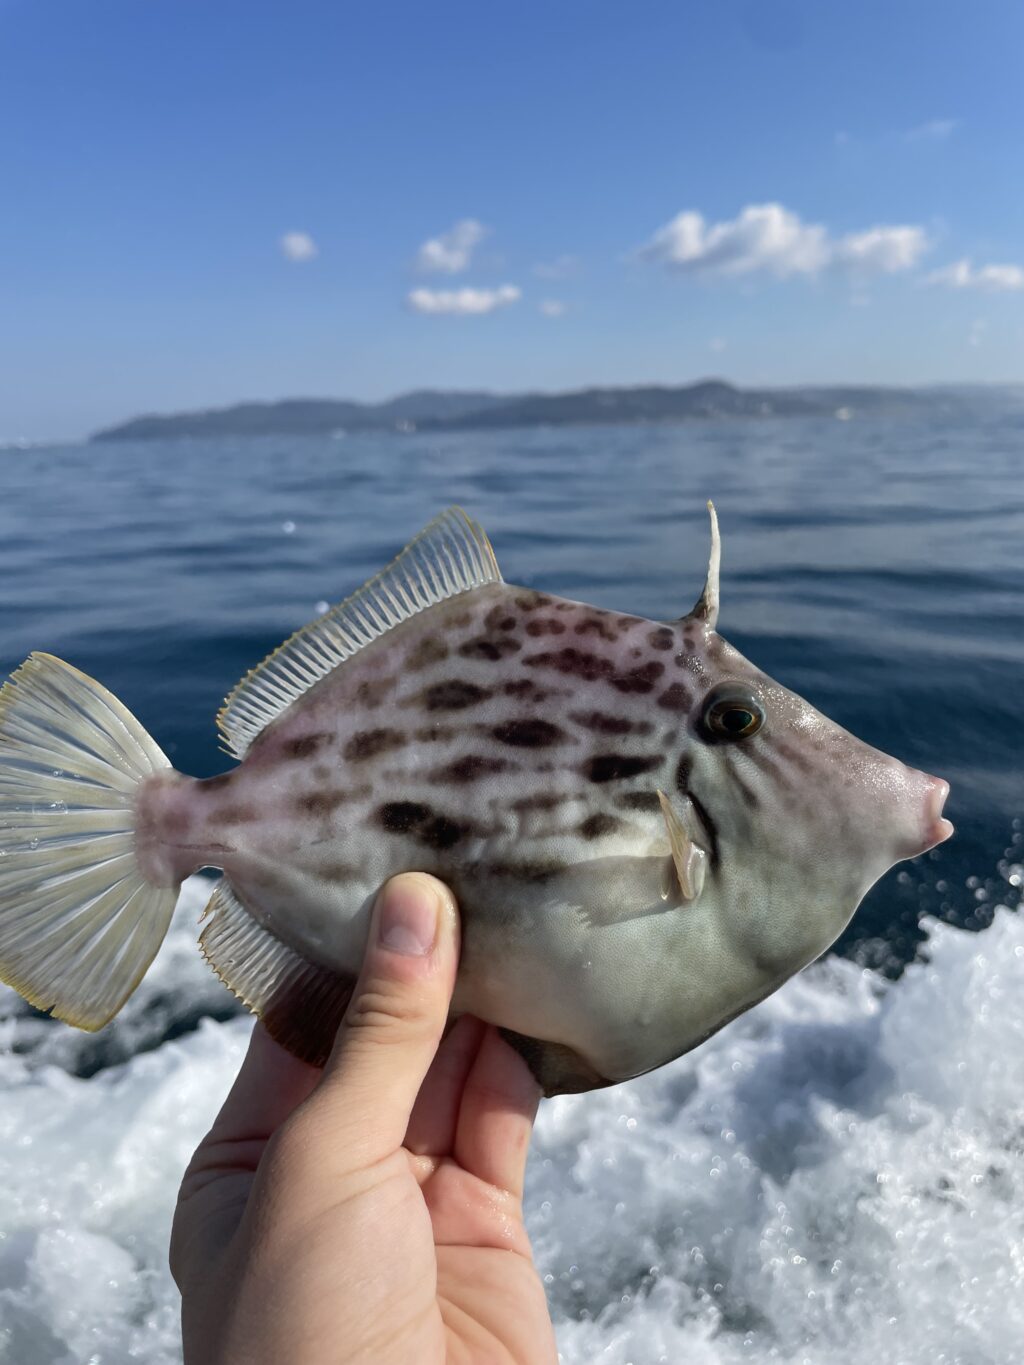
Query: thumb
[[394, 1021]]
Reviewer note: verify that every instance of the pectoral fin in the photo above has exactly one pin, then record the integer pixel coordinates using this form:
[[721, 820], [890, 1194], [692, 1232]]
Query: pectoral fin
[[690, 860]]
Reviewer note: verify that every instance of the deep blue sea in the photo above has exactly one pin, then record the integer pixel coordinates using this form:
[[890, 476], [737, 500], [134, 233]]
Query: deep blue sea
[[837, 1177], [876, 567]]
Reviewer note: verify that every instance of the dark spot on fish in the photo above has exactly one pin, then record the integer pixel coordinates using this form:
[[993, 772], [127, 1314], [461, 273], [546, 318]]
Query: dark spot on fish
[[684, 769], [454, 696], [636, 653], [430, 650], [631, 621], [236, 815], [500, 618], [565, 606], [373, 692], [460, 619], [528, 734], [369, 743], [214, 784], [575, 662], [525, 689], [541, 801], [597, 826], [603, 724], [338, 872], [639, 801], [545, 625], [639, 679], [662, 638], [304, 746], [322, 802], [469, 769], [488, 648], [600, 623], [413, 818], [676, 697], [527, 872], [616, 767], [530, 601], [321, 772]]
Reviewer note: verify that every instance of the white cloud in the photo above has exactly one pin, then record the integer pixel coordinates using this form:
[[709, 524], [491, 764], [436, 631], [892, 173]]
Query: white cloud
[[558, 269], [977, 333], [775, 240], [451, 252], [463, 302], [552, 308], [298, 246], [881, 250], [935, 130], [963, 274]]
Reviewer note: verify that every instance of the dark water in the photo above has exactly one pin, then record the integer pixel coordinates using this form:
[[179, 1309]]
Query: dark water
[[875, 567]]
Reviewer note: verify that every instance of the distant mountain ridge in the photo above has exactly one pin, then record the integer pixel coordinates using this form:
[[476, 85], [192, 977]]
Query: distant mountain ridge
[[436, 410]]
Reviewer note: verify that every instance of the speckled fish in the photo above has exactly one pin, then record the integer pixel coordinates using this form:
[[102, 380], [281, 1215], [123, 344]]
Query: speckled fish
[[646, 834]]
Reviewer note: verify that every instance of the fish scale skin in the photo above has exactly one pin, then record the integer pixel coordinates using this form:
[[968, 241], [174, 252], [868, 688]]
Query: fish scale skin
[[513, 744]]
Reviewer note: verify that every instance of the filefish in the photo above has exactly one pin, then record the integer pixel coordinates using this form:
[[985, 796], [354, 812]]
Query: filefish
[[645, 833]]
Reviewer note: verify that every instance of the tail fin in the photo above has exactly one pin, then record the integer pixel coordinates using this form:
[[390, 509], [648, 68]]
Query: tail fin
[[79, 924]]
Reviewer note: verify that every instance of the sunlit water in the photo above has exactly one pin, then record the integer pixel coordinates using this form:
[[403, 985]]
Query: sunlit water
[[837, 1178]]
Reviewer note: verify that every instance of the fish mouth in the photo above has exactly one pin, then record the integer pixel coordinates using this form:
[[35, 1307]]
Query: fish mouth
[[937, 828]]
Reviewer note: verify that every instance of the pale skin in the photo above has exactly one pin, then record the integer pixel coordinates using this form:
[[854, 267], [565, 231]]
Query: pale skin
[[371, 1212]]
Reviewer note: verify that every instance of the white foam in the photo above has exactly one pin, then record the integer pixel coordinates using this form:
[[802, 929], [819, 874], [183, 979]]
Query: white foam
[[835, 1179]]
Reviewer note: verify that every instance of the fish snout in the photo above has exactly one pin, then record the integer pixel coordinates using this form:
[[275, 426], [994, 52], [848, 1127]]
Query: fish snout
[[932, 827]]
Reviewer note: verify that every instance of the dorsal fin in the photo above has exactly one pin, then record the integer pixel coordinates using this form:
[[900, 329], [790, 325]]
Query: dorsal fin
[[449, 556]]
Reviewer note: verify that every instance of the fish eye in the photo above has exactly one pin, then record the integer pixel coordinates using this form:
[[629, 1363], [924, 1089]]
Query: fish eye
[[732, 712]]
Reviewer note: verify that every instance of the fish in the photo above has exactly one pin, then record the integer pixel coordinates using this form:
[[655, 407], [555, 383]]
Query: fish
[[645, 833]]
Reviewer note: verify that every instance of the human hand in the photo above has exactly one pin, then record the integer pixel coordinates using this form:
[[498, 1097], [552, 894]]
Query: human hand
[[370, 1213]]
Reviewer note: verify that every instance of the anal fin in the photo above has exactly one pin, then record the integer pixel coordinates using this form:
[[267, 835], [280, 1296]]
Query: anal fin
[[557, 1069], [300, 1003]]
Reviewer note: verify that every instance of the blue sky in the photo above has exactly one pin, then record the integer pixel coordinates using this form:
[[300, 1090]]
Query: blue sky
[[211, 200]]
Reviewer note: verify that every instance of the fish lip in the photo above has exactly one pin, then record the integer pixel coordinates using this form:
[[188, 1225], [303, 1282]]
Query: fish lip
[[937, 829]]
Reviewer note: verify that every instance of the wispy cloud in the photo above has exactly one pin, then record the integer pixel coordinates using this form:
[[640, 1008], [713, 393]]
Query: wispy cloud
[[994, 279], [298, 246], [977, 333], [552, 308], [934, 130], [561, 268], [774, 240], [717, 344], [451, 252], [463, 302]]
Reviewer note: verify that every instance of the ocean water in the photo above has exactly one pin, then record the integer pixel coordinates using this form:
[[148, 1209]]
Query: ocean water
[[838, 1176]]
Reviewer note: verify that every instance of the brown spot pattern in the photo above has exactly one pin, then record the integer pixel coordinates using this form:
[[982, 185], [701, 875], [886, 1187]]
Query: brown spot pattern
[[597, 826], [421, 823], [304, 746], [369, 743], [676, 697], [662, 638], [603, 724], [617, 767], [453, 695], [639, 679], [429, 651], [528, 734], [489, 648], [639, 801], [469, 769], [545, 625]]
